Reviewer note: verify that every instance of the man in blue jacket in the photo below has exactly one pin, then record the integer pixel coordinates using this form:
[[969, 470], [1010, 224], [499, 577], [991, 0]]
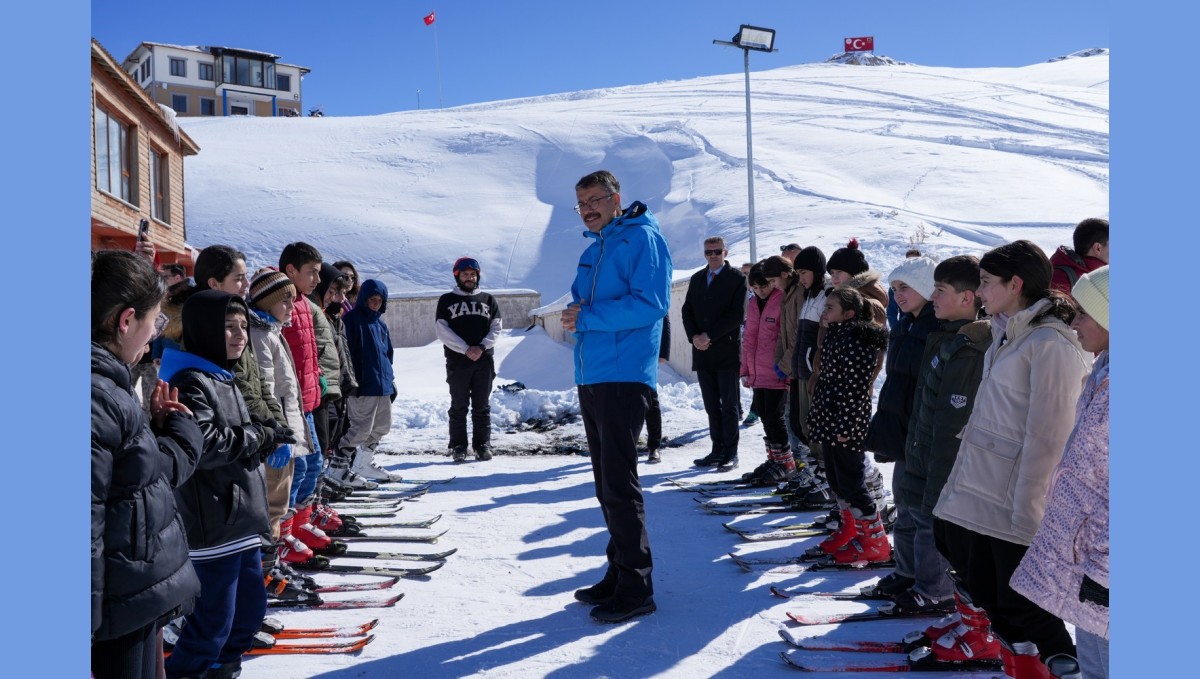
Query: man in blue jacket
[[621, 293]]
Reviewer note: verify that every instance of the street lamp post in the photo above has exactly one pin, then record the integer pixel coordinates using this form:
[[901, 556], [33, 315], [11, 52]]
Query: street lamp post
[[760, 40]]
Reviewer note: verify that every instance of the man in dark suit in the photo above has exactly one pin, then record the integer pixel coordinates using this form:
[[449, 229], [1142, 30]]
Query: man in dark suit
[[712, 318]]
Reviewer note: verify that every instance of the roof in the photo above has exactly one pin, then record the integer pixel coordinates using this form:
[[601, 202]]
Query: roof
[[209, 50], [102, 58]]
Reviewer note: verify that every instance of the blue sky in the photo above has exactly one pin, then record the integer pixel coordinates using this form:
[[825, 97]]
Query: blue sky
[[371, 57]]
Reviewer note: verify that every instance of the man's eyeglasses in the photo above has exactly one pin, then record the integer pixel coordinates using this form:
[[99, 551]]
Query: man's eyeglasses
[[591, 203], [713, 253]]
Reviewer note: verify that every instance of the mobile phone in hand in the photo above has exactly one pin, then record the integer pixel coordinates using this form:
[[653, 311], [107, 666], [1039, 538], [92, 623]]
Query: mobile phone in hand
[[143, 230]]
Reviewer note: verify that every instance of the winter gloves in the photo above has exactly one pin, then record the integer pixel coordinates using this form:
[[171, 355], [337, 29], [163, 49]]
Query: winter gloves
[[279, 458]]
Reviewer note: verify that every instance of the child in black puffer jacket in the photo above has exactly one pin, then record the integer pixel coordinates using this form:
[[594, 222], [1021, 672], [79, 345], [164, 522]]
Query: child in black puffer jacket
[[838, 420], [224, 504]]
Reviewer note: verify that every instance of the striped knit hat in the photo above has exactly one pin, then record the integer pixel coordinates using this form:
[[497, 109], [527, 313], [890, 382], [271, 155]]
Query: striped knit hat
[[269, 287]]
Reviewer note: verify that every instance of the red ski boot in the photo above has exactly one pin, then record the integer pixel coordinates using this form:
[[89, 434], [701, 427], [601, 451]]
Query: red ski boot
[[1023, 662], [291, 549], [846, 531], [871, 544], [970, 639]]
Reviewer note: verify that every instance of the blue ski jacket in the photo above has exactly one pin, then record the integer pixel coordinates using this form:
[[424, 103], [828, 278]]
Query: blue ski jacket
[[623, 287]]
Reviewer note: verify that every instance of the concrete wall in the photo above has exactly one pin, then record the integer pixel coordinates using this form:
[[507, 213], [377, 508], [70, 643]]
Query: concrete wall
[[681, 350], [410, 316]]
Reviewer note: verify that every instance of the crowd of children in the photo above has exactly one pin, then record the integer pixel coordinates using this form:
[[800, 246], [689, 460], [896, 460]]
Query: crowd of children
[[994, 413], [205, 495]]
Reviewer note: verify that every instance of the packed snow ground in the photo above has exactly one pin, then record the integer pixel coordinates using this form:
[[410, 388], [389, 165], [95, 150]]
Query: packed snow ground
[[529, 532]]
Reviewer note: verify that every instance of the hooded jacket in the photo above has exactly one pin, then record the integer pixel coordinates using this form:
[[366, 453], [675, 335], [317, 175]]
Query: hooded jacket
[[140, 567], [1067, 262], [347, 384], [906, 347], [224, 503], [1072, 541], [787, 345], [370, 342], [327, 353], [809, 329], [279, 374], [759, 341], [623, 287], [952, 367], [1024, 411]]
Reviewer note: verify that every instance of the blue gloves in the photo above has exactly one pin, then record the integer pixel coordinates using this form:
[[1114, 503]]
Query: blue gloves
[[779, 373], [279, 458]]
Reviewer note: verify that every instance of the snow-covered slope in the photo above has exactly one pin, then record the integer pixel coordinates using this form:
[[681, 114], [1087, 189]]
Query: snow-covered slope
[[963, 159]]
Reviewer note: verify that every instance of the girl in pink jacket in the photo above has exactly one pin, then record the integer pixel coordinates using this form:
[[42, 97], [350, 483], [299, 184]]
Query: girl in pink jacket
[[759, 373]]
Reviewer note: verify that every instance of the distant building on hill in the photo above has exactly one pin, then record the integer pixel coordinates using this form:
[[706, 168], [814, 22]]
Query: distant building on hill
[[216, 81], [137, 166]]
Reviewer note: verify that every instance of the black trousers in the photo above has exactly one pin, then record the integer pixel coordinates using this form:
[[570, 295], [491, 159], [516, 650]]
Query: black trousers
[[321, 415], [613, 413], [770, 404], [847, 476], [988, 564], [721, 391], [339, 419], [132, 656], [653, 422], [471, 387]]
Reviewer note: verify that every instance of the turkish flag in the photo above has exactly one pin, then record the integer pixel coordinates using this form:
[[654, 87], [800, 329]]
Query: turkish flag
[[429, 19], [864, 44]]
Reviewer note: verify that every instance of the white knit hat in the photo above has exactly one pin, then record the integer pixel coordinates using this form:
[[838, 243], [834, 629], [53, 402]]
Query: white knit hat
[[916, 273], [1091, 291]]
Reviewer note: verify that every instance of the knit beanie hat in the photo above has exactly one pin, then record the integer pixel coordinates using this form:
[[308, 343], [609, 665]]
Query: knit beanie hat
[[269, 287], [1091, 291], [811, 259], [916, 273], [849, 259]]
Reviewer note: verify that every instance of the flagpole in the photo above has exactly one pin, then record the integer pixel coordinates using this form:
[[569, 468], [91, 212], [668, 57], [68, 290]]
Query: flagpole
[[437, 60]]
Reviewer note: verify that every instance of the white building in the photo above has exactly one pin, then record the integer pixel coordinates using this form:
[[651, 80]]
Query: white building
[[216, 81]]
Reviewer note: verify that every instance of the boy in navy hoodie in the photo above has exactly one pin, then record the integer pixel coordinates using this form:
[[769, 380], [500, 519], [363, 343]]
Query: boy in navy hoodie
[[370, 344], [224, 503]]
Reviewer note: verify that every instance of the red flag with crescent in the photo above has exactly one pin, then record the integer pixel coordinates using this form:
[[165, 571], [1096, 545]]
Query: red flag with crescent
[[429, 19], [863, 44]]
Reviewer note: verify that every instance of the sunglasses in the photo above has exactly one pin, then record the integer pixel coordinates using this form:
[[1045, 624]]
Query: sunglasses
[[786, 248], [713, 253]]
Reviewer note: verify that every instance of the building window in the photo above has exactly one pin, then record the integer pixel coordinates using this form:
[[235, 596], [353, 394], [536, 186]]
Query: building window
[[179, 103], [239, 111], [146, 68], [160, 186], [248, 72], [204, 71], [208, 107], [116, 171], [179, 67], [283, 82]]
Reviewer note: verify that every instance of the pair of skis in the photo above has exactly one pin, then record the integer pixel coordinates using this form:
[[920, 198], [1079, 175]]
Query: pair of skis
[[802, 564], [268, 641]]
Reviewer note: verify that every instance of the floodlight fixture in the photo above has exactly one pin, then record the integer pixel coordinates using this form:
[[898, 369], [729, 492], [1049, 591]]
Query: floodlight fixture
[[758, 39]]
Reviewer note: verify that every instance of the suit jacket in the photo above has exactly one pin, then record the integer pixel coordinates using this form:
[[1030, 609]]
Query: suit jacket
[[718, 309]]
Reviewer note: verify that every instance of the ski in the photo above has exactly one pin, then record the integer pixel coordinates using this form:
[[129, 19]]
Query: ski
[[386, 583], [416, 523], [901, 663], [386, 494], [840, 596], [746, 511], [348, 603], [744, 501], [325, 648], [799, 530], [402, 556], [420, 482], [822, 644], [863, 616], [431, 538], [410, 556], [388, 572], [799, 564], [322, 632]]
